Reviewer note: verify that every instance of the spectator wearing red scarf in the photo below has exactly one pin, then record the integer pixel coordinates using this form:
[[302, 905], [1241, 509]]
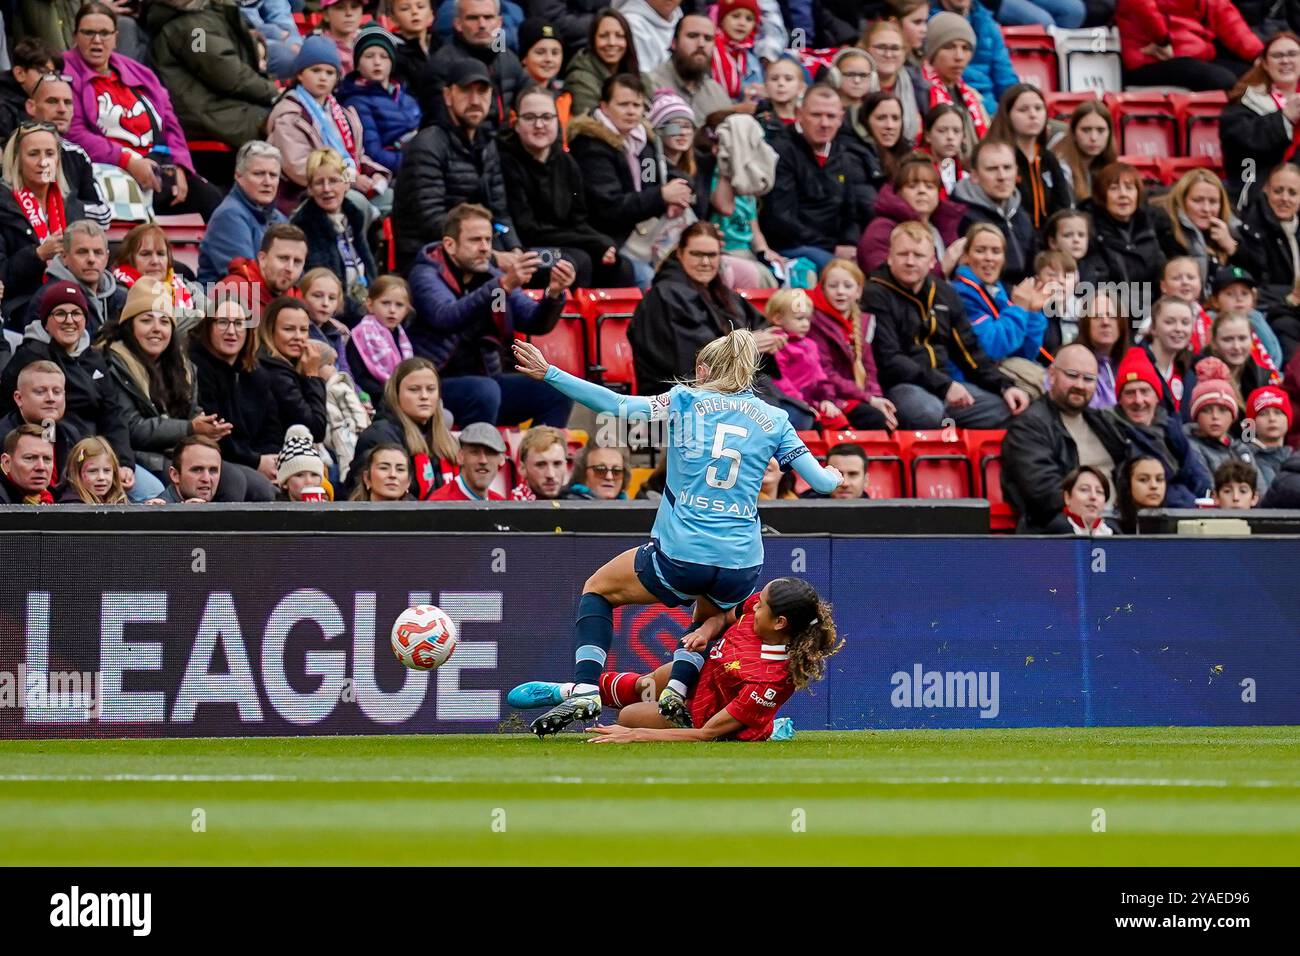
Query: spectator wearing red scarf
[[34, 210], [735, 65]]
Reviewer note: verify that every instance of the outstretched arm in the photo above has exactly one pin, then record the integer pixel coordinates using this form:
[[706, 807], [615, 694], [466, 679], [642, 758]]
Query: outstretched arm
[[793, 453], [719, 726], [532, 363]]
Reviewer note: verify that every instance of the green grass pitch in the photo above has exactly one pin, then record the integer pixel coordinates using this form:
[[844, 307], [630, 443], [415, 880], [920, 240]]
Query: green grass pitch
[[1223, 796]]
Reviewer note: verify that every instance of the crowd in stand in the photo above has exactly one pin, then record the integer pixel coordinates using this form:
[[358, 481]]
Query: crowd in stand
[[414, 185]]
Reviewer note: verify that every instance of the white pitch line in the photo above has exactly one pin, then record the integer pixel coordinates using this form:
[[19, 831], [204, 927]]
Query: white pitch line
[[1175, 783]]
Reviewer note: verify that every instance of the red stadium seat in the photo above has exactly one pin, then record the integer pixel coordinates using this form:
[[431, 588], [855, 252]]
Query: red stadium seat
[[886, 476], [815, 443], [1062, 105], [565, 346], [1172, 168], [1033, 56], [390, 243], [1145, 123], [607, 313], [184, 234], [1198, 121], [756, 297], [985, 449], [1148, 166], [938, 464]]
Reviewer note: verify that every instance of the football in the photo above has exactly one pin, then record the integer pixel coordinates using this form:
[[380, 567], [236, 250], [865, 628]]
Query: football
[[423, 637]]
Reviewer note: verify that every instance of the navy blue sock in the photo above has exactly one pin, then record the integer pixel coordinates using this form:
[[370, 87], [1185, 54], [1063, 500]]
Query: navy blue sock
[[593, 634], [686, 671]]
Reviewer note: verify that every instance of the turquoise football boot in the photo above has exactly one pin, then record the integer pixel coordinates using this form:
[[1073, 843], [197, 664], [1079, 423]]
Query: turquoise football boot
[[535, 693]]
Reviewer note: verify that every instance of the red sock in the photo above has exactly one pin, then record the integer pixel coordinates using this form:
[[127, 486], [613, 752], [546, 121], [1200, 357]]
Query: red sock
[[618, 690]]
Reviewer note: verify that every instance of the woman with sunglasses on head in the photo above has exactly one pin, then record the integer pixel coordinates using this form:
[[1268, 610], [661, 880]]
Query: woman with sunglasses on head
[[123, 117], [35, 208]]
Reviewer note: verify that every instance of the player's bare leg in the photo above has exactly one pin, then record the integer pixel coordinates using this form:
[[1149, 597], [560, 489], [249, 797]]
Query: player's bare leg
[[615, 584], [642, 715], [685, 672]]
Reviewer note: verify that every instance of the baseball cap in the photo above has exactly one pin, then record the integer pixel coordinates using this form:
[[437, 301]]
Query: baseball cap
[[1225, 276], [467, 71]]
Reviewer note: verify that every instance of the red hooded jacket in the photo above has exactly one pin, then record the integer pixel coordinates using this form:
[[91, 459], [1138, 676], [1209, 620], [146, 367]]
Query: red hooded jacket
[[1191, 26]]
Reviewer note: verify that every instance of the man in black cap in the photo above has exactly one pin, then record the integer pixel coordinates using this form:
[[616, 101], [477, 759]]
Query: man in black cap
[[477, 36], [452, 162]]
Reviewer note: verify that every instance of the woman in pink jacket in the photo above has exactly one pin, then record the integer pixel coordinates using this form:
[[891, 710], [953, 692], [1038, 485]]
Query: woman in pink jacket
[[1172, 43], [123, 117]]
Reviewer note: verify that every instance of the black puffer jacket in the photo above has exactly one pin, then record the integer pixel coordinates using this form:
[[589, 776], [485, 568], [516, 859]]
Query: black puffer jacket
[[154, 433], [299, 399], [1038, 453], [92, 403], [571, 19], [919, 333], [547, 201], [21, 269], [242, 398], [868, 172], [675, 320], [13, 106], [1012, 220], [1265, 253], [1046, 193], [1284, 492], [441, 168], [1124, 252], [323, 249], [810, 205], [614, 204], [507, 73], [1252, 135]]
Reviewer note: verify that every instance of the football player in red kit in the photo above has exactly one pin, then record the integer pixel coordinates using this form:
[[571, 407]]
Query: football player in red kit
[[771, 645]]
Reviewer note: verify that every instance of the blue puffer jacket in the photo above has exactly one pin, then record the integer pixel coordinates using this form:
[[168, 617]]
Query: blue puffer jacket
[[457, 325], [386, 117], [990, 69], [1003, 328]]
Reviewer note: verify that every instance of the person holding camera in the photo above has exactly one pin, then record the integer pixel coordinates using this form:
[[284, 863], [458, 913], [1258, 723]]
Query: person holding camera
[[546, 199], [466, 314], [123, 117]]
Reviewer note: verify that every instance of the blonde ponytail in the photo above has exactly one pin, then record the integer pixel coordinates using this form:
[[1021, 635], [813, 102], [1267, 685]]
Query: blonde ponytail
[[732, 362]]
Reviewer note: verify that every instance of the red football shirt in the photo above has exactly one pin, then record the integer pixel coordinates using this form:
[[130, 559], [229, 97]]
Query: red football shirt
[[125, 117], [745, 677], [458, 491]]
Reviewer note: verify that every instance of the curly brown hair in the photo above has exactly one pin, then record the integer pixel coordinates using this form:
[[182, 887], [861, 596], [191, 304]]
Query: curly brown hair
[[810, 628]]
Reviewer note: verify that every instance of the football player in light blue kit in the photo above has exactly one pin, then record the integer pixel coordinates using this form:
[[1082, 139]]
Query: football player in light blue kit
[[706, 546]]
